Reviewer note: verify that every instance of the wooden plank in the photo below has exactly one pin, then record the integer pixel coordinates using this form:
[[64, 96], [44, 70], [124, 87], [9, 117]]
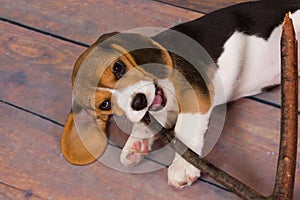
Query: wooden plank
[[274, 96], [247, 149], [203, 6], [10, 193], [31, 160], [43, 97], [17, 84], [248, 146], [86, 21], [36, 71]]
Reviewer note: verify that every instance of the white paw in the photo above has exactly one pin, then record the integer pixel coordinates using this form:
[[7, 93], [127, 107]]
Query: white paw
[[134, 151], [138, 144], [182, 174]]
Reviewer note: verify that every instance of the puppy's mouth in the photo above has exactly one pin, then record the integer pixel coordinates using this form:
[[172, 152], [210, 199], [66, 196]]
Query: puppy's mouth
[[159, 101]]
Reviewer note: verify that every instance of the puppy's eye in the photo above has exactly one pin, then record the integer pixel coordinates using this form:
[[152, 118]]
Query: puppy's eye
[[105, 105], [119, 69]]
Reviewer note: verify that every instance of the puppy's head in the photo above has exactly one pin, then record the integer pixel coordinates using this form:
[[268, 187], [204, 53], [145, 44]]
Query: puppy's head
[[118, 75]]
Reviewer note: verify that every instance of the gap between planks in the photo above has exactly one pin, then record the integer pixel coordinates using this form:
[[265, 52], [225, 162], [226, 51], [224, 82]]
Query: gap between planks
[[15, 23], [29, 192]]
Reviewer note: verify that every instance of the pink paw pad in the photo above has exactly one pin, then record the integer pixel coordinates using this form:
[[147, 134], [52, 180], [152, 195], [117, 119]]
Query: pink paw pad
[[193, 179], [132, 156], [140, 146], [137, 145]]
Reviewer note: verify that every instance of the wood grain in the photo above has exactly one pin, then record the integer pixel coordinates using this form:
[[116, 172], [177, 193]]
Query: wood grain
[[247, 118], [203, 6], [31, 161], [36, 71], [248, 146], [247, 149], [35, 74], [85, 22], [10, 193]]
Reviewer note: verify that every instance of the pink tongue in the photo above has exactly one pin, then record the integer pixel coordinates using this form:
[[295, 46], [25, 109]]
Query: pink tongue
[[157, 101]]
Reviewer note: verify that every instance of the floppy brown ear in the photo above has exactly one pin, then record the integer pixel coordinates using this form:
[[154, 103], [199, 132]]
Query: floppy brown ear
[[105, 36], [83, 56], [83, 142]]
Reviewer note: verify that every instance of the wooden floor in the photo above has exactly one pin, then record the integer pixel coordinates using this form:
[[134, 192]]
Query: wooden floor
[[39, 42]]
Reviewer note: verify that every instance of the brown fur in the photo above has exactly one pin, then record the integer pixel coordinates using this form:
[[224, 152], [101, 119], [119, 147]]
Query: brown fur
[[95, 65]]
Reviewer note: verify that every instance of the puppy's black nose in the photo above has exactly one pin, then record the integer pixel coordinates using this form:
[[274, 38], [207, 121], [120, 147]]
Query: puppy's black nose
[[139, 102]]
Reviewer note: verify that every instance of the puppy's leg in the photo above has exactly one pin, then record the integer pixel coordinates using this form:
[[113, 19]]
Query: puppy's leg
[[181, 173], [138, 144], [190, 129]]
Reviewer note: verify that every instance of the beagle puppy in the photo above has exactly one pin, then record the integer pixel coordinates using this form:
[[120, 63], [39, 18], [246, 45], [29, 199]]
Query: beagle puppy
[[129, 74]]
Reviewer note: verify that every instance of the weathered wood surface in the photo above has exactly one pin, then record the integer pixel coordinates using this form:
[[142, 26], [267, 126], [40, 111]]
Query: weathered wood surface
[[30, 146], [248, 146], [31, 161], [203, 6], [8, 192], [35, 75], [85, 22], [36, 71]]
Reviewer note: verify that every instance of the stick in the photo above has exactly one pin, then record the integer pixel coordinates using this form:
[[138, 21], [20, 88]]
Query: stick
[[286, 166], [206, 167], [288, 136]]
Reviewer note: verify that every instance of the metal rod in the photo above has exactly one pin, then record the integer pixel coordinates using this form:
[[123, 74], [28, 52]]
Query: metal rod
[[288, 136]]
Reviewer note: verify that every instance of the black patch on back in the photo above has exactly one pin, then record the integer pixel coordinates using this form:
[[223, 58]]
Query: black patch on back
[[252, 18]]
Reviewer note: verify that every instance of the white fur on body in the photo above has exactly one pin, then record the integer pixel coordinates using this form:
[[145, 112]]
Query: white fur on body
[[250, 63], [247, 64]]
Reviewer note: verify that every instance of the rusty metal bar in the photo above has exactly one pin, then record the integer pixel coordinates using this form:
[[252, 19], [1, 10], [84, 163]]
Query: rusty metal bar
[[288, 136]]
